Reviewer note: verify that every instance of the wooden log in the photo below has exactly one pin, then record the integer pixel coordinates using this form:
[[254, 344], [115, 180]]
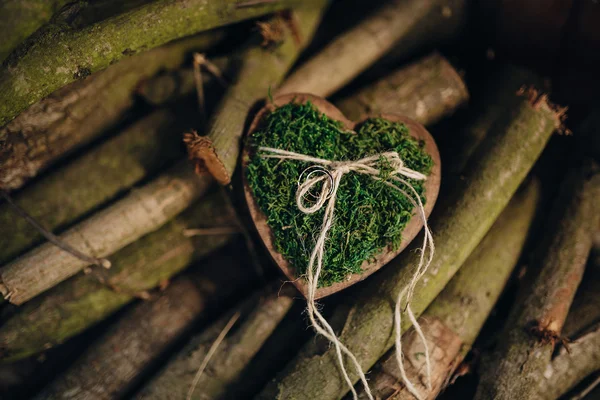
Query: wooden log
[[535, 323], [585, 310], [453, 321], [569, 368], [80, 112], [90, 181], [355, 50], [460, 223], [72, 54], [21, 18], [260, 70], [142, 211], [260, 316], [426, 91], [115, 363], [83, 300]]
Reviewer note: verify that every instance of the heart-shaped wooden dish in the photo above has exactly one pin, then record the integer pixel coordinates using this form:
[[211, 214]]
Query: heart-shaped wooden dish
[[413, 227]]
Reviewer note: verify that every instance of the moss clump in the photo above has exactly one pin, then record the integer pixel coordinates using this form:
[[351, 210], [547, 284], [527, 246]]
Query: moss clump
[[369, 215]]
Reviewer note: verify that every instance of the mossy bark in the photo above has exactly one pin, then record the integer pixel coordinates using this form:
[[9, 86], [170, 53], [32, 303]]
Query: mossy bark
[[260, 315], [144, 210], [453, 321], [458, 225], [60, 54], [118, 360], [82, 301], [567, 369], [90, 181], [82, 111], [526, 345], [21, 18], [426, 91], [357, 49], [260, 69]]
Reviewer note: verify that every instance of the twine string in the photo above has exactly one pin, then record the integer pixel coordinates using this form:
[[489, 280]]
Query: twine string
[[330, 183]]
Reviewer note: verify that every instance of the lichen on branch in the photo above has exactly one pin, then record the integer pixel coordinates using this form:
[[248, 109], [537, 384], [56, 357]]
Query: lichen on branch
[[59, 54]]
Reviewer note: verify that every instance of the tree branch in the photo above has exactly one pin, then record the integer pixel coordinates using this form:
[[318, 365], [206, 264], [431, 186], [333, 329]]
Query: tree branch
[[261, 314], [83, 301], [355, 50], [90, 181], [59, 54], [150, 328], [567, 369], [21, 18], [536, 321], [453, 321], [260, 70], [83, 110], [426, 91]]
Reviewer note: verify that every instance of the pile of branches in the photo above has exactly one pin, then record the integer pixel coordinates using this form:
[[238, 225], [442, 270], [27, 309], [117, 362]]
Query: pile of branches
[[121, 267]]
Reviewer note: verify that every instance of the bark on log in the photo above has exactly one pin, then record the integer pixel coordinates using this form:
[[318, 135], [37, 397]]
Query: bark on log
[[453, 321], [260, 70], [83, 110], [114, 363], [90, 181], [260, 315], [82, 301], [42, 65], [458, 226], [20, 18], [568, 369], [536, 321], [585, 310], [142, 211], [428, 90], [357, 49]]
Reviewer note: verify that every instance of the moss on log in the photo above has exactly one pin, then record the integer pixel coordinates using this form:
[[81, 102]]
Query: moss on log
[[453, 321], [142, 211], [60, 54], [536, 321], [426, 91], [458, 225], [82, 301], [107, 369], [355, 50], [90, 181], [260, 315], [83, 110], [21, 18], [260, 69]]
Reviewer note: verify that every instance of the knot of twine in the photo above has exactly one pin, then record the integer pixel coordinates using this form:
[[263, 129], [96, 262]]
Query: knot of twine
[[330, 182]]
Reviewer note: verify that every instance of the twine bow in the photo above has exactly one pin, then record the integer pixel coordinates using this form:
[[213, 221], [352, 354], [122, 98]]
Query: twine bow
[[330, 182]]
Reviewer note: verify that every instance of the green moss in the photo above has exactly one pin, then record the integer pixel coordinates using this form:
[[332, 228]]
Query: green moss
[[369, 215]]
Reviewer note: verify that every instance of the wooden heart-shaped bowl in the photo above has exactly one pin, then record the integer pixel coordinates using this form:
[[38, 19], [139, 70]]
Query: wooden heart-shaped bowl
[[431, 185]]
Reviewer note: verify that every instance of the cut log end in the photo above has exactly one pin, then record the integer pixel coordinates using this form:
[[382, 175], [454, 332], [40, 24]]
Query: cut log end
[[541, 100], [202, 153]]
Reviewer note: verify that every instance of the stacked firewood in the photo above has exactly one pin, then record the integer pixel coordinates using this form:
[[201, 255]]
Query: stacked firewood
[[95, 98]]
